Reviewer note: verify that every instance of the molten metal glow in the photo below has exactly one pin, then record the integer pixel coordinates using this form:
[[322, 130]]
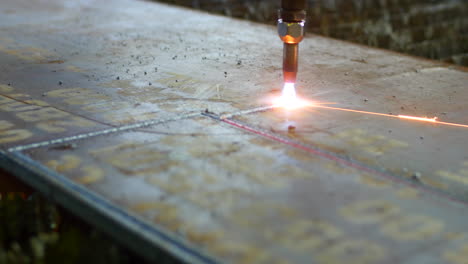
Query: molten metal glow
[[288, 98]]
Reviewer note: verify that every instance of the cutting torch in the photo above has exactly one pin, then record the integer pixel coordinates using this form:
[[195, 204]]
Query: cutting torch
[[291, 20]]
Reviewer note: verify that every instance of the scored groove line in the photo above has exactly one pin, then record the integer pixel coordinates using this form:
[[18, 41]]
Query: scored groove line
[[128, 127], [101, 132], [227, 118]]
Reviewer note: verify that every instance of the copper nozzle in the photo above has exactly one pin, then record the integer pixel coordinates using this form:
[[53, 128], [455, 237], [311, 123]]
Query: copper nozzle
[[290, 57], [291, 19]]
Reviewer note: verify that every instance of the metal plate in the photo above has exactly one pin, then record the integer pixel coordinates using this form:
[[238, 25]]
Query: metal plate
[[430, 154], [119, 117], [245, 199]]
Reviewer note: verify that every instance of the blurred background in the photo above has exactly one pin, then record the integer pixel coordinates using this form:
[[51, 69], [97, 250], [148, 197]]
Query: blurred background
[[35, 230], [435, 29]]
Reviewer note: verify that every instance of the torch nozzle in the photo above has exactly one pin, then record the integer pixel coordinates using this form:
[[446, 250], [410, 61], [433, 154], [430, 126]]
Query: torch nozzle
[[290, 57], [291, 32]]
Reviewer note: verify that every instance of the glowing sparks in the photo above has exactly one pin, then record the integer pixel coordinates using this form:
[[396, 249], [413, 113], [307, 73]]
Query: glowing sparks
[[352, 110], [290, 101], [413, 118], [425, 119], [288, 98]]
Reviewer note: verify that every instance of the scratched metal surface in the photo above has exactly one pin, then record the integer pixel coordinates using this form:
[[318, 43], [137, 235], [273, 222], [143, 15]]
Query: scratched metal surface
[[103, 108]]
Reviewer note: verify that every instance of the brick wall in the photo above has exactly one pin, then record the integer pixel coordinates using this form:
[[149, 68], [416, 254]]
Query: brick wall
[[436, 29]]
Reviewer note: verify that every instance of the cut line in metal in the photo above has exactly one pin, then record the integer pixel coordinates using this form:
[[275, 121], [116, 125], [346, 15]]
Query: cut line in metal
[[129, 127], [101, 132], [341, 159]]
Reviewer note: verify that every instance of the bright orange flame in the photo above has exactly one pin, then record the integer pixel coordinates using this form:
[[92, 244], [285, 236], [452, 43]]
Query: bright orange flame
[[288, 98]]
